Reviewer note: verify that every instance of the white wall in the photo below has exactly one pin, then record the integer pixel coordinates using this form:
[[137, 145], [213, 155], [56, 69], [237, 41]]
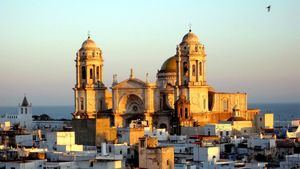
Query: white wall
[[206, 154]]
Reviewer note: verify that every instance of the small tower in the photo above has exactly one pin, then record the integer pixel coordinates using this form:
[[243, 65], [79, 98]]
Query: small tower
[[25, 114], [89, 89]]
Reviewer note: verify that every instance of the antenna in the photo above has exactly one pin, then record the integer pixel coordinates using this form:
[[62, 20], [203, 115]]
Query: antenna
[[190, 27], [89, 34]]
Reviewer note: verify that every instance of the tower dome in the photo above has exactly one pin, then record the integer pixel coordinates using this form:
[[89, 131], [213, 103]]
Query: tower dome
[[89, 43], [169, 65], [190, 37]]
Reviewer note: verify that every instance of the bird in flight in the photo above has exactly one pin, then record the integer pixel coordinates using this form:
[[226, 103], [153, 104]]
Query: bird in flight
[[269, 8]]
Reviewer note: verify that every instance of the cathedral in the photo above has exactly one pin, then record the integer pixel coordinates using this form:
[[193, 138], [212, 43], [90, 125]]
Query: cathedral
[[181, 96]]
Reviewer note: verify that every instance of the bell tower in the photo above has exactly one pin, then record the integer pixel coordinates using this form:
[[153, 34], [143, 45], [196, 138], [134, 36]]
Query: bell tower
[[89, 88], [191, 74]]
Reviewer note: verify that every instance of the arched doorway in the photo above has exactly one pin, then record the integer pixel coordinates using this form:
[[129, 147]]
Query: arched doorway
[[163, 126], [132, 107]]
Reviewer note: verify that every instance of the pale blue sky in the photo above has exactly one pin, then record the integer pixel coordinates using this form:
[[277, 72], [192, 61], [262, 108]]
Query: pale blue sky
[[248, 49]]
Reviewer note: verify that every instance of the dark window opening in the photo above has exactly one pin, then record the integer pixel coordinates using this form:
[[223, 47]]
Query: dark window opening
[[91, 73], [181, 112], [186, 113], [194, 70], [221, 133], [142, 143], [200, 68], [98, 72], [185, 69], [83, 72], [81, 104]]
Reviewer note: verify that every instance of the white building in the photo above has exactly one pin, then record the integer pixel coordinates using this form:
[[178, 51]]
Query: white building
[[23, 116], [117, 149], [293, 132], [29, 164], [261, 143], [206, 154], [221, 130], [161, 134], [291, 161], [25, 140], [62, 141], [50, 125]]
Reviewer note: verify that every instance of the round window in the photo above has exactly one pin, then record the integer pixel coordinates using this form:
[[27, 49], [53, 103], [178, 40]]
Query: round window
[[135, 108]]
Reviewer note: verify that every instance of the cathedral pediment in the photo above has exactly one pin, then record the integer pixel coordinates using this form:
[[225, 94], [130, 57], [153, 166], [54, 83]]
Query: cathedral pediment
[[133, 83]]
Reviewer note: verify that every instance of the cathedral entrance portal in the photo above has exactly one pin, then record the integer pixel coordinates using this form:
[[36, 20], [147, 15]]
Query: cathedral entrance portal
[[133, 109]]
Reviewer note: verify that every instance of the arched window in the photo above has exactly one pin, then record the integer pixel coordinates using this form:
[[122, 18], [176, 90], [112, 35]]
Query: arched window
[[91, 73], [185, 69], [194, 70], [83, 72], [98, 70], [200, 68]]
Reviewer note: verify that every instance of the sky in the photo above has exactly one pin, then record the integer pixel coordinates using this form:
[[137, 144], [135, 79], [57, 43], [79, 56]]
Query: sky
[[248, 49]]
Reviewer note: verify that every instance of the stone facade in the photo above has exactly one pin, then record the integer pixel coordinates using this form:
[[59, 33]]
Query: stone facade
[[153, 156], [183, 74]]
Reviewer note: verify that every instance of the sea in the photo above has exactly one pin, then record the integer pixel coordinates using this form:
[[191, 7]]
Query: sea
[[282, 111]]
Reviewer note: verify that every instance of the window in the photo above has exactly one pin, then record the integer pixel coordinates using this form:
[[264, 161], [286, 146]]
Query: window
[[204, 103], [260, 119], [98, 70], [221, 133], [81, 104], [101, 105], [83, 72], [21, 110], [181, 112], [200, 68], [109, 149], [227, 133], [208, 133], [194, 70], [185, 69], [186, 113], [142, 143], [91, 73], [121, 152], [91, 164], [25, 110]]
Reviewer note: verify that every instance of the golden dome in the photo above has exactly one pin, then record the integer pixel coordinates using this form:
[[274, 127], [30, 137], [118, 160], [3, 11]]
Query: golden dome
[[89, 43], [169, 65], [190, 38]]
